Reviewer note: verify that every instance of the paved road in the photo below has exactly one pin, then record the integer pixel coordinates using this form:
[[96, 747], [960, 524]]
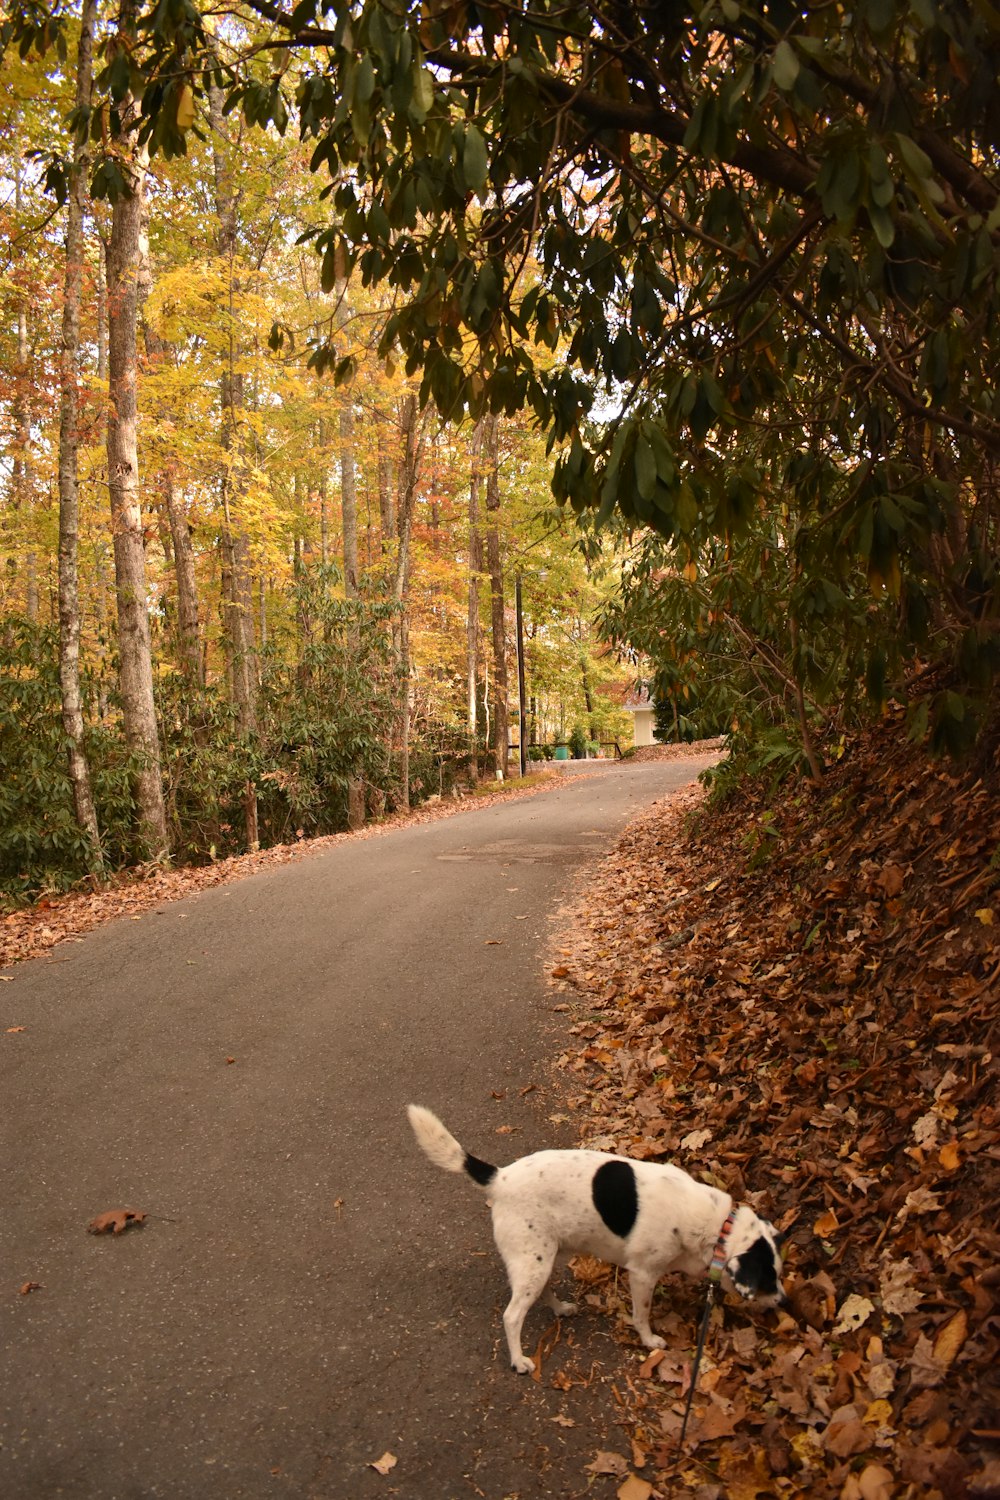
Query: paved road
[[308, 1292]]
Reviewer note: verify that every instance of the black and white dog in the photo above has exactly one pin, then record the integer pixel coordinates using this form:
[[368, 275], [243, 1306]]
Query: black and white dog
[[646, 1217]]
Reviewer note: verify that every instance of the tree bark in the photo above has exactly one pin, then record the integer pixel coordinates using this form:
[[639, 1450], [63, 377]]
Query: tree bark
[[494, 563], [21, 468], [411, 444], [472, 617], [234, 543], [387, 510], [135, 657], [349, 525], [177, 542], [349, 499], [69, 504]]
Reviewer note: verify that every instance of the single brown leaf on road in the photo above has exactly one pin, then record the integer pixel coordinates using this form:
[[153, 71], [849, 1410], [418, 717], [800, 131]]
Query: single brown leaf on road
[[115, 1221]]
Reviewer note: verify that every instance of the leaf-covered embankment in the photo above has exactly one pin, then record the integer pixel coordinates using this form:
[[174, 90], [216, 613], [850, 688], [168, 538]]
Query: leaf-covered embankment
[[797, 998]]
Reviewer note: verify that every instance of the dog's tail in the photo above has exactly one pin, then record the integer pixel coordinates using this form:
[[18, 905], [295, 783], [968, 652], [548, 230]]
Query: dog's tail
[[443, 1149]]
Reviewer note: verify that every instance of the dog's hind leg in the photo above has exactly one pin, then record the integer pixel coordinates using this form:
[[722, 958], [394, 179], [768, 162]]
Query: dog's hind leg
[[643, 1285], [529, 1270]]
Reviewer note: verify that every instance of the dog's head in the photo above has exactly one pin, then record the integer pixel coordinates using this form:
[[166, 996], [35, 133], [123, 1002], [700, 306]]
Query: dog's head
[[753, 1266]]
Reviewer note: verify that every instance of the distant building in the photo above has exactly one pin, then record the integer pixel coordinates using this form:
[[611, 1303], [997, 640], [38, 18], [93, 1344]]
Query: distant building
[[643, 712]]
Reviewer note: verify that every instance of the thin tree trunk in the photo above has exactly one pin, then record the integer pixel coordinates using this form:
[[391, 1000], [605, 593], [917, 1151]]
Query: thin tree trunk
[[177, 538], [135, 657], [387, 512], [324, 499], [494, 563], [349, 524], [349, 499], [411, 443], [234, 543], [472, 617], [21, 471], [69, 505], [102, 309], [189, 650]]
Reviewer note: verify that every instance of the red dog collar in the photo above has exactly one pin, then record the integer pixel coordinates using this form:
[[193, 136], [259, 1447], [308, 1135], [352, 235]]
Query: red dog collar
[[719, 1256]]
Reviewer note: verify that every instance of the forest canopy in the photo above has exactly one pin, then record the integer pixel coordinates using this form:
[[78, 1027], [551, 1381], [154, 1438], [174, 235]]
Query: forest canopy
[[736, 264]]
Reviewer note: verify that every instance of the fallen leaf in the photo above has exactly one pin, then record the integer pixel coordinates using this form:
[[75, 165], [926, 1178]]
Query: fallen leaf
[[608, 1463], [950, 1157], [815, 1300], [635, 1488], [650, 1363], [116, 1220], [920, 1201], [696, 1139], [562, 1420], [846, 1434], [987, 1481], [896, 1285], [873, 1483], [926, 1371], [385, 1463], [950, 1338], [493, 943], [826, 1224], [29, 1286], [853, 1312], [891, 879]]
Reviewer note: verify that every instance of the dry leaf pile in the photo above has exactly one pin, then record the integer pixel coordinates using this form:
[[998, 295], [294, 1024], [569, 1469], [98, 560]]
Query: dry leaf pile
[[797, 1000]]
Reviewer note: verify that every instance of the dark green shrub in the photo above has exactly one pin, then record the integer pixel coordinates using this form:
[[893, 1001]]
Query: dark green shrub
[[41, 845]]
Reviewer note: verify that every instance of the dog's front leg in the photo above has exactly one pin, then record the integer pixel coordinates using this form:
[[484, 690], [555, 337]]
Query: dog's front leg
[[643, 1285]]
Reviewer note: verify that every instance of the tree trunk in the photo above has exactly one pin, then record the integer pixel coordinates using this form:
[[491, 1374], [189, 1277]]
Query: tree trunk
[[349, 524], [472, 617], [411, 444], [178, 539], [69, 506], [324, 498], [21, 468], [135, 658], [237, 605], [387, 511], [349, 499], [494, 563]]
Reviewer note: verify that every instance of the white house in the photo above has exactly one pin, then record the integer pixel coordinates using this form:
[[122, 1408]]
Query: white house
[[643, 716]]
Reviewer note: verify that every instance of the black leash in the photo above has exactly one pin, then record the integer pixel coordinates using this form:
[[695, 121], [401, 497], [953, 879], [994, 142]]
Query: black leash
[[714, 1281], [709, 1303]]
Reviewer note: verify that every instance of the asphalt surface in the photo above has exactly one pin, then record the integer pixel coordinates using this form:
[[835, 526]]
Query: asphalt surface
[[308, 1292]]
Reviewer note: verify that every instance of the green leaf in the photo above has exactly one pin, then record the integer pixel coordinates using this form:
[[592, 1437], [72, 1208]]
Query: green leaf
[[784, 66], [645, 467], [475, 162]]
